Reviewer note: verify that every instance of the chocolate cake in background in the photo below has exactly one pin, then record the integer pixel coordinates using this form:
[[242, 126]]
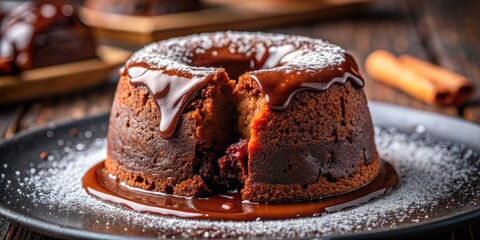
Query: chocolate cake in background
[[43, 33], [296, 118], [142, 7]]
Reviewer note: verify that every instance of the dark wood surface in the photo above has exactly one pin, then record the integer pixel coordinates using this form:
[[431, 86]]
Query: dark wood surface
[[444, 32]]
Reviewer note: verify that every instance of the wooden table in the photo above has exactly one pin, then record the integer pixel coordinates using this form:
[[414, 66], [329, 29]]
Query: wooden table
[[444, 32]]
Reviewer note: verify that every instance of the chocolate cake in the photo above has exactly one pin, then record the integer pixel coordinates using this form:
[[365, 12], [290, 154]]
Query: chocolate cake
[[43, 33], [295, 125], [143, 7]]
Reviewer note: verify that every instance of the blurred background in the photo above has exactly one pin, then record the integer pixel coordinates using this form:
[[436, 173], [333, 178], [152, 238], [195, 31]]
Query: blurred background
[[57, 85], [59, 60]]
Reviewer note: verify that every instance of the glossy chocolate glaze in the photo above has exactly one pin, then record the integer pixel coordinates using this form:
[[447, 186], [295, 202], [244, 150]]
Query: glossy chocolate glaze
[[280, 85], [170, 89], [35, 35], [229, 206], [281, 65]]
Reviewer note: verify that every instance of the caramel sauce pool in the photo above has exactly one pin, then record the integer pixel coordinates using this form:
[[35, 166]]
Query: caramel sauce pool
[[229, 206]]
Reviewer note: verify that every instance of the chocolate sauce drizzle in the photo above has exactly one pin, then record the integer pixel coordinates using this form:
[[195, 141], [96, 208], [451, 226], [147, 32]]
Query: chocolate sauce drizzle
[[229, 206], [279, 85], [174, 70], [170, 89]]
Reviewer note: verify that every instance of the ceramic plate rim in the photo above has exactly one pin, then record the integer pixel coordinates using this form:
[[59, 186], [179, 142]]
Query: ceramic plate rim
[[54, 230]]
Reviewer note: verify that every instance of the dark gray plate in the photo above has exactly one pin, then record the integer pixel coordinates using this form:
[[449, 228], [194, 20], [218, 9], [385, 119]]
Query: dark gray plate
[[21, 154]]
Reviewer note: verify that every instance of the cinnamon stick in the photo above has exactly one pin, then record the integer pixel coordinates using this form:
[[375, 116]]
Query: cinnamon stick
[[386, 68], [455, 83]]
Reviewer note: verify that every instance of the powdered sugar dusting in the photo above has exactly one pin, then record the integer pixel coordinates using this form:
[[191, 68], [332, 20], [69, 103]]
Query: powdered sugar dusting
[[176, 53], [435, 178]]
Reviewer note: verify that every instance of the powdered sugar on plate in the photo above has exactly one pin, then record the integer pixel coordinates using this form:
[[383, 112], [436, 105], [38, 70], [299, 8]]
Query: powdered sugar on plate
[[437, 179]]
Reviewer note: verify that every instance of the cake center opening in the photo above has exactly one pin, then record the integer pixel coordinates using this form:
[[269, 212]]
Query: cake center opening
[[237, 62]]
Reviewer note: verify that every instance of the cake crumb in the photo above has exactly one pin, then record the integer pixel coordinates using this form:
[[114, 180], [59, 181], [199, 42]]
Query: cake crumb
[[73, 132], [43, 155]]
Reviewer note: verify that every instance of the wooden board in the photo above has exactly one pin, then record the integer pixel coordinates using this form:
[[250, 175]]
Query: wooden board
[[61, 78], [221, 15]]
